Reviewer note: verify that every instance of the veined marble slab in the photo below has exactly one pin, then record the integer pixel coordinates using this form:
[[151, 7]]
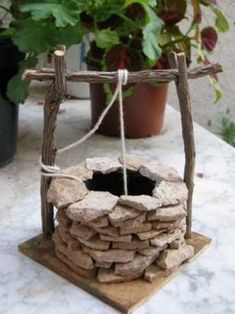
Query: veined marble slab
[[206, 287]]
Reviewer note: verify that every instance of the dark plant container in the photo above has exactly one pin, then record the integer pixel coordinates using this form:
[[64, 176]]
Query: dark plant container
[[9, 65]]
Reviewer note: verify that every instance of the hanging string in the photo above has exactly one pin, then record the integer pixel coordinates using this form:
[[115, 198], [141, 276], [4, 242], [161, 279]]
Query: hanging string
[[55, 171]]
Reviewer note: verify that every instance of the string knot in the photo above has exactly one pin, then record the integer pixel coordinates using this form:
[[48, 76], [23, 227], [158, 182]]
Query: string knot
[[122, 76]]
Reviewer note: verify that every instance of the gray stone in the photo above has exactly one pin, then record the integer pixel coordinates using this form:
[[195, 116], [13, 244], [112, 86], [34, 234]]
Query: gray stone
[[156, 172], [99, 222], [171, 193], [124, 238], [79, 171], [121, 213], [108, 276], [140, 202], [111, 256], [165, 238], [143, 227], [133, 162], [81, 231], [94, 205], [132, 223], [153, 250], [87, 273], [95, 243], [138, 265], [149, 234], [168, 213], [77, 257], [133, 245], [154, 272], [171, 259], [103, 165], [63, 192]]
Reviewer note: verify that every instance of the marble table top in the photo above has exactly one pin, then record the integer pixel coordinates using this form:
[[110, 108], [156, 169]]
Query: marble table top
[[207, 286]]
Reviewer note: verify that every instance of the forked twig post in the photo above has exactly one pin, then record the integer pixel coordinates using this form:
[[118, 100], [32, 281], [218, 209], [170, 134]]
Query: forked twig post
[[53, 99], [182, 87]]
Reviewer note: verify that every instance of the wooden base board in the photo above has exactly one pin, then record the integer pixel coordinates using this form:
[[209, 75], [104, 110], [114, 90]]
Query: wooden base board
[[125, 297]]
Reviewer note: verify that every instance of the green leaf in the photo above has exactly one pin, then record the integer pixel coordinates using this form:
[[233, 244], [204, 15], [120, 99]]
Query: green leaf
[[151, 35], [65, 12], [106, 38], [217, 89], [221, 22], [151, 3], [17, 89]]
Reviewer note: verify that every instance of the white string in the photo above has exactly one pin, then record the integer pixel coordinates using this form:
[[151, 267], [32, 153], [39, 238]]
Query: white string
[[55, 171], [122, 80]]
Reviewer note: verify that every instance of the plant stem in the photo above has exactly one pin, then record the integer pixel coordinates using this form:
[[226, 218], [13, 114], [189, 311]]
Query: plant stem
[[5, 9]]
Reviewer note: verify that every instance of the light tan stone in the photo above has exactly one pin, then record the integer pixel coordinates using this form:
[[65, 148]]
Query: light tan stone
[[143, 227], [153, 250], [65, 236], [169, 213], [165, 238], [94, 205], [81, 231], [133, 245], [156, 172], [171, 193], [133, 162], [110, 231], [99, 222], [95, 243], [111, 256], [154, 272], [178, 243], [132, 223], [103, 165], [147, 235], [169, 225], [170, 259], [63, 192], [138, 265], [124, 238], [79, 171], [62, 218], [121, 213], [77, 257], [140, 202], [108, 276], [103, 265], [87, 273]]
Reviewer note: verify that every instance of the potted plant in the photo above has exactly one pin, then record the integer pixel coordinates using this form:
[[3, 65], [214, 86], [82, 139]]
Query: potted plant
[[10, 58], [132, 34]]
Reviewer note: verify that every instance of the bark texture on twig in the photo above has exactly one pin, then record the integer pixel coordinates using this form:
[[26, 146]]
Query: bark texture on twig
[[52, 103], [187, 130], [133, 77]]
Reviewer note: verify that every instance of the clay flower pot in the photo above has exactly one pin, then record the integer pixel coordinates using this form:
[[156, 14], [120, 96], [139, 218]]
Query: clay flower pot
[[143, 111]]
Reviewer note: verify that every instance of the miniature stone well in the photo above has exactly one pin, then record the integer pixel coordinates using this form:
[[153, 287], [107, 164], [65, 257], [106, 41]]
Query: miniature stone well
[[116, 238], [105, 242]]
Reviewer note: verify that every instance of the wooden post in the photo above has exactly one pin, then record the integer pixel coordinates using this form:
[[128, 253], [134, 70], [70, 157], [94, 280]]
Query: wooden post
[[187, 129], [52, 103]]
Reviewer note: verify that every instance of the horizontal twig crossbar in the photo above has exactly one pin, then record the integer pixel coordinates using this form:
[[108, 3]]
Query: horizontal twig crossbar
[[133, 77]]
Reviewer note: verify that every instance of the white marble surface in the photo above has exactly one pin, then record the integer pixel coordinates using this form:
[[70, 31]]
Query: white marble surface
[[208, 284]]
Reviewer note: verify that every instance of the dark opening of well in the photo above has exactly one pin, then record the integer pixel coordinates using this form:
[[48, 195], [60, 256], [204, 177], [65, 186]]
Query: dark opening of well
[[113, 183]]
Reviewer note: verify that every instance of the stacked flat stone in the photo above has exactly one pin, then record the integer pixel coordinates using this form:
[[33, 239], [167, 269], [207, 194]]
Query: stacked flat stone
[[117, 239]]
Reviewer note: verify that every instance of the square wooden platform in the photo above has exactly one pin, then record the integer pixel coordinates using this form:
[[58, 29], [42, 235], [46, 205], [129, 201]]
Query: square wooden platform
[[125, 297]]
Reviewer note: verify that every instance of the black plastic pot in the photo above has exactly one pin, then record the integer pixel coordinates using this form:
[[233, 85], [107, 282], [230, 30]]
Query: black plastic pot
[[9, 64]]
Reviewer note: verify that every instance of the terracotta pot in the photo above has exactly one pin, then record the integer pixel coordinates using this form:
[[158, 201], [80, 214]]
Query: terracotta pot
[[143, 110]]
